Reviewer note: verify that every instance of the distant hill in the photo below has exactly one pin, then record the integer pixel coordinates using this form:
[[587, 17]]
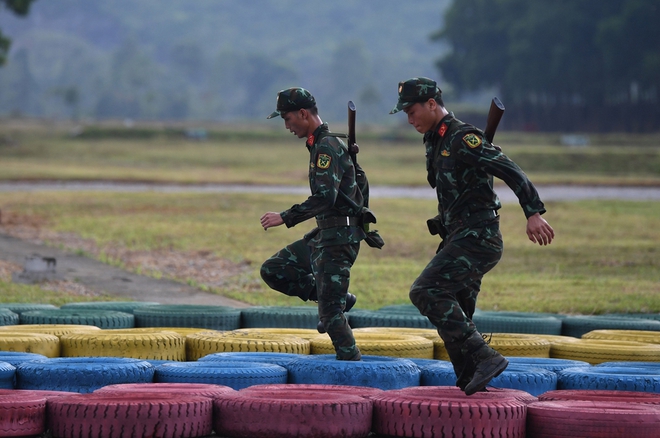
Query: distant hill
[[214, 60]]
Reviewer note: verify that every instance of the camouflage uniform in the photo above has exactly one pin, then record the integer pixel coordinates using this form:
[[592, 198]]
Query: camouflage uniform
[[461, 164], [318, 266]]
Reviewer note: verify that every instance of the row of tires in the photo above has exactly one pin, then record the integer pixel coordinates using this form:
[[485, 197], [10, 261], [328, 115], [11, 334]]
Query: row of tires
[[241, 370], [147, 314], [186, 343], [318, 411]]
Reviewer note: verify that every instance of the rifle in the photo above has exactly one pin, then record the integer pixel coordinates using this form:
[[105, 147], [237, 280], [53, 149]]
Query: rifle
[[493, 120], [353, 148]]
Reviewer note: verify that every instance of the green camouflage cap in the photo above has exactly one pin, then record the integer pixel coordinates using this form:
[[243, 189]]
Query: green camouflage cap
[[415, 90], [292, 99]]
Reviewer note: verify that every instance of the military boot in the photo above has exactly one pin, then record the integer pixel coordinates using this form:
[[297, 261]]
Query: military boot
[[463, 366], [488, 363], [350, 302]]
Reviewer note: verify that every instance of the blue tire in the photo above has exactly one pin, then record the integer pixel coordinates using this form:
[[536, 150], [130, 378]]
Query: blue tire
[[280, 359], [236, 375], [641, 379]]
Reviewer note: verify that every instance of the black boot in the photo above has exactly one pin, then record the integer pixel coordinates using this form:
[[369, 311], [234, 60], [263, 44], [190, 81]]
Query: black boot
[[350, 302], [488, 363], [463, 366]]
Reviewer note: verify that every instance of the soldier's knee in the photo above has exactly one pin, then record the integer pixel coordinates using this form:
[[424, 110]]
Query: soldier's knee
[[266, 274]]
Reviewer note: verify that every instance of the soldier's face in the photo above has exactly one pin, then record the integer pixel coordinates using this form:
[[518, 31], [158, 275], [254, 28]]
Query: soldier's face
[[421, 116], [297, 122]]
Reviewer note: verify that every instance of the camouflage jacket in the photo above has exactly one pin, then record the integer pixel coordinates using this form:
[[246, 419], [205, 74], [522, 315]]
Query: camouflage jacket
[[332, 181], [461, 164]]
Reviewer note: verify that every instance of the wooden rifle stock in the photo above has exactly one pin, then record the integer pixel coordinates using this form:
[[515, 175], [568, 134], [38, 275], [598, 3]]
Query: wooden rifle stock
[[352, 145], [494, 116]]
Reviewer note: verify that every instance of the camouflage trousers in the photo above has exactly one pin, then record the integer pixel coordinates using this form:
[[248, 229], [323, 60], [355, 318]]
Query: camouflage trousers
[[446, 290], [319, 274]]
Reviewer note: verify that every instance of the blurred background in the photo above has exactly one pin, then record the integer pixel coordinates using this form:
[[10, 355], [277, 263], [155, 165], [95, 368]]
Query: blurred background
[[561, 66]]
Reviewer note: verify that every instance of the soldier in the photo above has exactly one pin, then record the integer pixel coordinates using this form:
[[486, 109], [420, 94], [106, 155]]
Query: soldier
[[460, 165], [318, 266]]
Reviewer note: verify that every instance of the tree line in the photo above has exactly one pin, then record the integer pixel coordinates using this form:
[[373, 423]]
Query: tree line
[[565, 65]]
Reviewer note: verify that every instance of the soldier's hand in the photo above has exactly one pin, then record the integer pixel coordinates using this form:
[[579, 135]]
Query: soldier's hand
[[539, 231], [271, 219]]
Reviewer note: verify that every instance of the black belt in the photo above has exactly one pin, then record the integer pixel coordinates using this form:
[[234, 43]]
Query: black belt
[[337, 221], [472, 219]]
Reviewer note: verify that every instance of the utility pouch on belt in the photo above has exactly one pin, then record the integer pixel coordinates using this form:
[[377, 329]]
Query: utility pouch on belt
[[310, 235], [436, 227], [373, 239]]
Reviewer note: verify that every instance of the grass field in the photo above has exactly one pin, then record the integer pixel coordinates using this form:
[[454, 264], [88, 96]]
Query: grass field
[[604, 259]]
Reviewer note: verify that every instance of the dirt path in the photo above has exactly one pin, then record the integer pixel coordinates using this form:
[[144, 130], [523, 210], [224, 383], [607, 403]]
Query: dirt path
[[101, 277]]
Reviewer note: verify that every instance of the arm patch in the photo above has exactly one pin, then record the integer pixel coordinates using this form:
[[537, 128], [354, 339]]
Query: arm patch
[[323, 161], [472, 140]]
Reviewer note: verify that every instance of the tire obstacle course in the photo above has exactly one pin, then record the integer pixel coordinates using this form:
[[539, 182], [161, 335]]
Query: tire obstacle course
[[197, 371]]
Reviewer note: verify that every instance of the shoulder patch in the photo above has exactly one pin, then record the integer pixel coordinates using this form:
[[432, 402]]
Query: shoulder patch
[[323, 161], [472, 140]]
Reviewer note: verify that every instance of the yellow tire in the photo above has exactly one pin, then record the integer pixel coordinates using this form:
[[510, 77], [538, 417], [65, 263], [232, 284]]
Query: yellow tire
[[439, 351], [203, 343], [378, 344], [597, 351], [523, 345], [647, 337], [298, 332], [49, 329], [39, 343], [557, 339], [153, 344]]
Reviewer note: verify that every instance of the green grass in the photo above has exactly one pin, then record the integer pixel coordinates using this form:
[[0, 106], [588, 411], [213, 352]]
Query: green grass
[[605, 257]]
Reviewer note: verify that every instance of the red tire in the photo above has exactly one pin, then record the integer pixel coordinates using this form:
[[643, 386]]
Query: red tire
[[200, 389], [22, 414], [360, 391], [444, 411], [101, 415], [601, 395], [453, 391], [592, 419], [249, 414]]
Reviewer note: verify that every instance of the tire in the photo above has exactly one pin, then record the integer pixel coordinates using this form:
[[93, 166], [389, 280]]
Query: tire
[[156, 345], [105, 319], [304, 317], [591, 419], [280, 359], [454, 391], [611, 378], [632, 364], [291, 388], [313, 415], [196, 389], [16, 358], [47, 345], [135, 415], [550, 364], [201, 344], [648, 337], [366, 318], [22, 415], [517, 322], [236, 375], [374, 371], [7, 375], [7, 317], [119, 306], [525, 345], [597, 351], [298, 332], [19, 308], [49, 329], [577, 326], [211, 317], [376, 344], [534, 381], [81, 375], [439, 411], [601, 395]]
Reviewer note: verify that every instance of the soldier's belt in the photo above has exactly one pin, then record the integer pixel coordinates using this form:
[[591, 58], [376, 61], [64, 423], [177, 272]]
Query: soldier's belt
[[472, 219], [337, 221]]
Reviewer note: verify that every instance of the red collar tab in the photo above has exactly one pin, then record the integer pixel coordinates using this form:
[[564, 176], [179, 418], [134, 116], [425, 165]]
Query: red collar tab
[[442, 130], [310, 140]]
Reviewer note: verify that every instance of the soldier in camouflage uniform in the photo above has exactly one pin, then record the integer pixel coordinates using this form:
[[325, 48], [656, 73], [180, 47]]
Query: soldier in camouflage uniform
[[460, 165], [318, 267]]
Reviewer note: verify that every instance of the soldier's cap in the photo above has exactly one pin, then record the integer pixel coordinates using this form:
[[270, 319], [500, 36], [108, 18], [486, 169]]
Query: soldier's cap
[[415, 90], [292, 99]]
